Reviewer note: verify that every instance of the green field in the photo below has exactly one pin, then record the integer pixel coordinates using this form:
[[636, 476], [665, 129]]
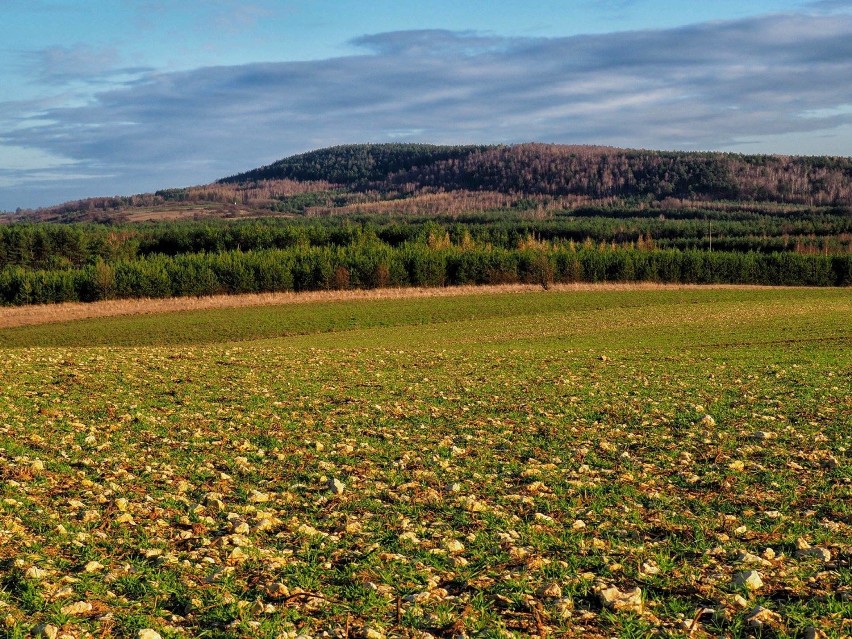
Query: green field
[[504, 460]]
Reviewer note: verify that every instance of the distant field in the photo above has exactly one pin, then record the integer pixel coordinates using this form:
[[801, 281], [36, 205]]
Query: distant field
[[504, 461]]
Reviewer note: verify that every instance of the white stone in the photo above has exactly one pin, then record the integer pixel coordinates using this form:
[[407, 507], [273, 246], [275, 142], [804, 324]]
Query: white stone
[[614, 599], [77, 608], [748, 578]]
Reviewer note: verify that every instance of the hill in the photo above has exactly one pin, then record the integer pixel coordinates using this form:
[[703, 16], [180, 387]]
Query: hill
[[596, 172], [429, 179]]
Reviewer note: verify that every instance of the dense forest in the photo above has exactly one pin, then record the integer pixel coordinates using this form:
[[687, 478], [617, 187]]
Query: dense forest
[[402, 215], [43, 263], [595, 172]]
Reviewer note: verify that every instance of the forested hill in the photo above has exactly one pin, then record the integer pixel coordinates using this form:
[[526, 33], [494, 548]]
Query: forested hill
[[356, 164], [589, 171]]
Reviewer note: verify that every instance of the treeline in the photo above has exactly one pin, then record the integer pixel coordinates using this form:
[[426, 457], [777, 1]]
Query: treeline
[[365, 266], [54, 247], [594, 172], [274, 195]]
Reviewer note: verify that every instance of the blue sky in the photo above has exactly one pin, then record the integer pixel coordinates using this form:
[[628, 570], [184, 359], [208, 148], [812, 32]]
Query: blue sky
[[119, 96]]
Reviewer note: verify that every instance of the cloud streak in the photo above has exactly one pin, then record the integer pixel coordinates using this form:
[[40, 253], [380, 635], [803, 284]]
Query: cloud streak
[[704, 86]]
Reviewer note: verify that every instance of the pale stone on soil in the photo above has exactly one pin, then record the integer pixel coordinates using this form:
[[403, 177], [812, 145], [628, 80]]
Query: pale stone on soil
[[46, 631], [336, 486], [455, 546], [77, 608], [748, 558], [93, 566], [35, 573], [148, 633], [748, 578], [277, 590], [552, 590], [761, 617], [258, 497], [614, 599]]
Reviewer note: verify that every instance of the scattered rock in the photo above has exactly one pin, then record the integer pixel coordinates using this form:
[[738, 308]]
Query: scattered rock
[[762, 617], [748, 578], [753, 560], [578, 524], [335, 486], [454, 546], [707, 421], [257, 497], [148, 633], [35, 573], [551, 590], [417, 597], [77, 608], [565, 607], [813, 633], [45, 631], [93, 566], [277, 590], [814, 552], [762, 435], [614, 599]]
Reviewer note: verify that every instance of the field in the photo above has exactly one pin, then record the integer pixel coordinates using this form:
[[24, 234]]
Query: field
[[598, 463]]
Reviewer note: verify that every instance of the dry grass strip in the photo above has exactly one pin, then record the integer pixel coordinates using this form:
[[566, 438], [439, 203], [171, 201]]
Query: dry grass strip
[[11, 317]]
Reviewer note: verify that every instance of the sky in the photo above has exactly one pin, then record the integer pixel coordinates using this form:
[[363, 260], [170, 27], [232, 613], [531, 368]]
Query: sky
[[110, 97]]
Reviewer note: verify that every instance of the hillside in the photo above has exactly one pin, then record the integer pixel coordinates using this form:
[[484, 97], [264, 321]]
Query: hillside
[[596, 172], [427, 179]]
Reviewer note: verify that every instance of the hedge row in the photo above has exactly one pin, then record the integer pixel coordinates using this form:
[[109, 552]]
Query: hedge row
[[315, 268]]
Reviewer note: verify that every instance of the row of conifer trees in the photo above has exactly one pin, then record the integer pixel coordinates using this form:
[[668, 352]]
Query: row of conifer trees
[[381, 265]]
